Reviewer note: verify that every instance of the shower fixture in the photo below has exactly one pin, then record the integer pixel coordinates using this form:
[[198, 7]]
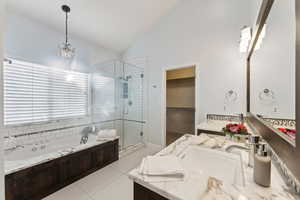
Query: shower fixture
[[66, 50], [126, 78]]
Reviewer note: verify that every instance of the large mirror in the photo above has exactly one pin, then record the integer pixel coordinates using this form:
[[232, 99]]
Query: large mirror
[[272, 71]]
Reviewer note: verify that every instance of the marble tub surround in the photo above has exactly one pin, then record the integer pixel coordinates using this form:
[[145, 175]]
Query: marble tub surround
[[195, 184], [22, 158]]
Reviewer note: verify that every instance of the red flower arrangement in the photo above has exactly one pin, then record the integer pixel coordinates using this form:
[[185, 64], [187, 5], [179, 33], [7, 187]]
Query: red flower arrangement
[[233, 129], [290, 132]]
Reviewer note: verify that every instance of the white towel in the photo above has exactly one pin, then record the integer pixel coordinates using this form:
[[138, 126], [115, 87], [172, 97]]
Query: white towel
[[165, 166], [107, 134]]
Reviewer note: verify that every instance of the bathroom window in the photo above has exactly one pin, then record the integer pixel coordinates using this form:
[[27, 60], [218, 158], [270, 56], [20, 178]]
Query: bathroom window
[[35, 93]]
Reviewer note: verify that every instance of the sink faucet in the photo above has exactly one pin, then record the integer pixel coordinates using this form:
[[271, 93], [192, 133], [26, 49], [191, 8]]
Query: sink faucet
[[252, 147], [236, 146], [241, 118]]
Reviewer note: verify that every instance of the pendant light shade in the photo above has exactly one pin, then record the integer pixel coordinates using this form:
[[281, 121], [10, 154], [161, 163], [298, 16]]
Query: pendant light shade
[[65, 49]]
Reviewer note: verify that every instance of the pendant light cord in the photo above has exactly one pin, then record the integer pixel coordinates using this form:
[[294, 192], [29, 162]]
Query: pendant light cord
[[66, 27]]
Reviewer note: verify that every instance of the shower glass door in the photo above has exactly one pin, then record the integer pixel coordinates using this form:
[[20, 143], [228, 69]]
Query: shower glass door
[[132, 105], [117, 101]]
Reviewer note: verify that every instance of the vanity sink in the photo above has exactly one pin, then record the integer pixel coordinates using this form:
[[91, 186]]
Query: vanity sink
[[205, 168], [224, 166]]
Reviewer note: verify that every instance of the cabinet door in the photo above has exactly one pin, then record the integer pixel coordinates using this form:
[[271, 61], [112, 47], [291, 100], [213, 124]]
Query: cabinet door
[[109, 153], [141, 192], [78, 164], [98, 157], [16, 185], [43, 177], [33, 182]]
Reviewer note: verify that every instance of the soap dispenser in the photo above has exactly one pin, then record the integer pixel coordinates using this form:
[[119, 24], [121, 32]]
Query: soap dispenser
[[262, 167]]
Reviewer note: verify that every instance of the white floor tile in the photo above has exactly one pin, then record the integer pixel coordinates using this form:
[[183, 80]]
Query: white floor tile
[[128, 162], [109, 183], [120, 189], [69, 192], [99, 180]]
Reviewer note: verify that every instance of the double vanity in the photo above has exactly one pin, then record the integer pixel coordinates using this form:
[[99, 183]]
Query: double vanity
[[223, 162]]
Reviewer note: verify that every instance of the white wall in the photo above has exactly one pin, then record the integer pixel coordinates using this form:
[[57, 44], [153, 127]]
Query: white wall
[[196, 31], [34, 41], [273, 65], [2, 29], [254, 11]]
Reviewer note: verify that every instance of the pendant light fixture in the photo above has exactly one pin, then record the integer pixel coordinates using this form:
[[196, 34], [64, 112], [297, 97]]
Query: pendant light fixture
[[66, 50]]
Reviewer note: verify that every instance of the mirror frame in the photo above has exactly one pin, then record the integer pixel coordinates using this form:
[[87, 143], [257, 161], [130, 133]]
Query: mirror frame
[[289, 154]]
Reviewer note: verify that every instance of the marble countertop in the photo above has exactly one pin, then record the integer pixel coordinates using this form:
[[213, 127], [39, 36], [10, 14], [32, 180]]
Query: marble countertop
[[17, 165], [188, 189], [217, 125]]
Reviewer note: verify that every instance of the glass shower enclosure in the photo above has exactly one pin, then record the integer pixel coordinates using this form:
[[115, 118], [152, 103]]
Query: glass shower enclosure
[[117, 100]]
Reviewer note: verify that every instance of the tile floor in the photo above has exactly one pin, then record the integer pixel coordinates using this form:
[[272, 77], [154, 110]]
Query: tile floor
[[109, 183]]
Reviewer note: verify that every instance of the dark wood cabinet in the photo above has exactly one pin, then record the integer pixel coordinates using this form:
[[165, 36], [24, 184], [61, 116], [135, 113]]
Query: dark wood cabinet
[[142, 193], [39, 181]]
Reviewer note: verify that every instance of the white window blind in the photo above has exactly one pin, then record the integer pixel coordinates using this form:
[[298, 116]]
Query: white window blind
[[35, 93]]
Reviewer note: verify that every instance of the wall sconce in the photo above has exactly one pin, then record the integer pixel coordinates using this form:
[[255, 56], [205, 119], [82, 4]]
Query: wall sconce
[[267, 97], [246, 35], [229, 100]]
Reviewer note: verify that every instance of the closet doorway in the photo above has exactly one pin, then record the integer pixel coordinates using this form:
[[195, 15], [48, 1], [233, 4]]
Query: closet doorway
[[180, 102]]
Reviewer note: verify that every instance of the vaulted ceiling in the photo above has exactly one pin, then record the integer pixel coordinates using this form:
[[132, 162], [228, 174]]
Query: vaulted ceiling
[[114, 24]]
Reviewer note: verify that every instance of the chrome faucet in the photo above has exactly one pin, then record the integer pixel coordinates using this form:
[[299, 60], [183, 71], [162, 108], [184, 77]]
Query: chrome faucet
[[86, 132], [236, 146], [254, 143], [241, 118]]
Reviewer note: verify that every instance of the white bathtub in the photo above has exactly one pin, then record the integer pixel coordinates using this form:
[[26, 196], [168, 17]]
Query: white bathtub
[[48, 148]]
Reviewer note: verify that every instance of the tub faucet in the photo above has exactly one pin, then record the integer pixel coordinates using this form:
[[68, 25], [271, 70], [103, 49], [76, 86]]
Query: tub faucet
[[85, 134]]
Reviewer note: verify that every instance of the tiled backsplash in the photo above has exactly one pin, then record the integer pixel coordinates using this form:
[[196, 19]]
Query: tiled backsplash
[[45, 133], [232, 118], [35, 128], [281, 122]]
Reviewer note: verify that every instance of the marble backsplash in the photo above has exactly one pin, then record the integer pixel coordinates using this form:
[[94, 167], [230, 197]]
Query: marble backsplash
[[40, 135], [230, 118]]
